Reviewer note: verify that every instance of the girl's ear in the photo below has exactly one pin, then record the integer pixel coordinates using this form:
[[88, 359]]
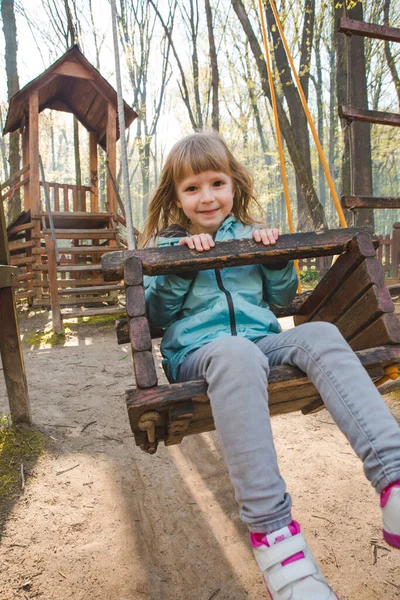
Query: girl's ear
[[179, 205]]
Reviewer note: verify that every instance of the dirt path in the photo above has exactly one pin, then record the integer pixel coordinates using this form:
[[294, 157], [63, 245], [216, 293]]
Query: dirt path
[[100, 520]]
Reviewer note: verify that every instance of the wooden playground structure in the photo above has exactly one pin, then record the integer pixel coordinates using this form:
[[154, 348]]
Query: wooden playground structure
[[57, 241]]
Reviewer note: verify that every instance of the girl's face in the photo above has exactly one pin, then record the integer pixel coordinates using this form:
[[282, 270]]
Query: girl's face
[[206, 199]]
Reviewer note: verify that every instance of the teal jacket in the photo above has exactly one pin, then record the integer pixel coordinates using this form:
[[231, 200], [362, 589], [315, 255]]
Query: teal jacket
[[230, 301]]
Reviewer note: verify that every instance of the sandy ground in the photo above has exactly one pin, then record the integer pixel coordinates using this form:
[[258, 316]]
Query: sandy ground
[[101, 520]]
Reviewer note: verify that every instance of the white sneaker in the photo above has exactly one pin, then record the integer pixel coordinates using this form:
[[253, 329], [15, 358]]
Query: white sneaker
[[288, 566], [390, 505]]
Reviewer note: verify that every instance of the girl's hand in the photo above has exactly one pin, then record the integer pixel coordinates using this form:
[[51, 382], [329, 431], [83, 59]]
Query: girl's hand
[[200, 242], [266, 236]]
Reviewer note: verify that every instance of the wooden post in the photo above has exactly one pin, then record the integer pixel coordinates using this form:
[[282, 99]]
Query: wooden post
[[10, 345], [111, 142], [395, 250], [25, 158], [52, 277], [94, 189], [34, 186]]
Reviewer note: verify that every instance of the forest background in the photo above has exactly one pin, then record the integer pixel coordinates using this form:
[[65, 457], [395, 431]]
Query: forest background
[[189, 65]]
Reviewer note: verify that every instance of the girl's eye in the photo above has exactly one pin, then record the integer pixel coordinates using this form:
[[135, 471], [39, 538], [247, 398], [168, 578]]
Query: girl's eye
[[191, 188], [218, 183]]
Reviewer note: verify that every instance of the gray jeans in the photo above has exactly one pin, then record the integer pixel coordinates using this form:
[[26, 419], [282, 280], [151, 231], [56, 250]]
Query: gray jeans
[[236, 371]]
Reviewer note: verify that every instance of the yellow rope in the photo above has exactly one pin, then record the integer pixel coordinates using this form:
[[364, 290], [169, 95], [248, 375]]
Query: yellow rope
[[310, 119], [390, 373], [278, 132]]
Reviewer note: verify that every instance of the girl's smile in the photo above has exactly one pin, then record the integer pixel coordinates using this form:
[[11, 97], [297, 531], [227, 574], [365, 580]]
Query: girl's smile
[[206, 199]]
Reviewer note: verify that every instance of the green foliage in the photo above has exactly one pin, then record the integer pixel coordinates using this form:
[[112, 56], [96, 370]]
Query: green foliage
[[17, 447], [310, 275]]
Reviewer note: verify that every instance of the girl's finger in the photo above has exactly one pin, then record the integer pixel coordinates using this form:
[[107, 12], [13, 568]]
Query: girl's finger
[[204, 238], [197, 243], [265, 238], [271, 237], [275, 232], [257, 235], [186, 241]]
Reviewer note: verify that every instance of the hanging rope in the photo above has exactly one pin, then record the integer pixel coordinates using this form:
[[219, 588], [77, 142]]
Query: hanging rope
[[121, 119], [278, 131], [309, 119]]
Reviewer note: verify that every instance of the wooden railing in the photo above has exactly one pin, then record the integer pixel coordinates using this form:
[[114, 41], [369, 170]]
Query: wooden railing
[[65, 197]]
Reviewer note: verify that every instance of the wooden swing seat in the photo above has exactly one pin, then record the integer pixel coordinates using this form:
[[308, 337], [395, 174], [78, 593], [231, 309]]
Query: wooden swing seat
[[352, 295]]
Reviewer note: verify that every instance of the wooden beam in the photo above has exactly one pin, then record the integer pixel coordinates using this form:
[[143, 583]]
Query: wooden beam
[[376, 117], [94, 177], [370, 30], [34, 186], [350, 202], [8, 276], [111, 142], [10, 345], [52, 277], [178, 259]]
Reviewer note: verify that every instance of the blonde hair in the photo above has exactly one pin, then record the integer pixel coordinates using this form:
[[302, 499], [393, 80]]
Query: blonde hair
[[196, 153]]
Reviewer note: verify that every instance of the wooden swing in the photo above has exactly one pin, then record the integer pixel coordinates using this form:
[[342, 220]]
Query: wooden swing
[[352, 295]]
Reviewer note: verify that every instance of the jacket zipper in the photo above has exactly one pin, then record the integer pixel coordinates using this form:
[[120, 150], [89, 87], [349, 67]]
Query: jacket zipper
[[228, 295]]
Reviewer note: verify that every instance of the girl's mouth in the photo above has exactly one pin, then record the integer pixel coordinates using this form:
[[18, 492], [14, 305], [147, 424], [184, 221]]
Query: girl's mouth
[[208, 212]]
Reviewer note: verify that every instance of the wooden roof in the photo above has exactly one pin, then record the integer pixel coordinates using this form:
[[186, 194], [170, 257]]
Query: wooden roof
[[71, 84]]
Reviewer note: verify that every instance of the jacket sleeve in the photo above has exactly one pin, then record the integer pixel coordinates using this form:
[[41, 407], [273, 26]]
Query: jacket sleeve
[[165, 295], [280, 285]]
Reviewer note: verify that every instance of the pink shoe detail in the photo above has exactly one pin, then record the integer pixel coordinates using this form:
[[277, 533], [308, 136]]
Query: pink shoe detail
[[392, 539], [268, 539], [385, 495]]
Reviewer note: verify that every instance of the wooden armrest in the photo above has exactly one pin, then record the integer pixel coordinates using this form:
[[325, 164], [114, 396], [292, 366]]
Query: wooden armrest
[[178, 259]]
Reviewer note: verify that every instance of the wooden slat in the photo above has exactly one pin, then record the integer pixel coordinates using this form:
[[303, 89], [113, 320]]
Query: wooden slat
[[159, 261], [100, 289], [374, 303], [358, 249], [81, 301], [78, 268], [82, 234], [370, 30], [18, 228], [25, 260], [56, 197], [135, 302], [385, 330], [14, 177], [93, 312], [145, 370], [18, 246], [87, 249], [368, 273], [370, 202], [369, 116], [16, 187]]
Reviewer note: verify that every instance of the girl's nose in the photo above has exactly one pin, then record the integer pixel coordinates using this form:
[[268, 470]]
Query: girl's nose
[[207, 195]]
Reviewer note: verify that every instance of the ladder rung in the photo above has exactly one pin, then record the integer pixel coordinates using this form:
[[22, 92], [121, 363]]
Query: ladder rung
[[89, 249], [369, 116], [78, 268], [370, 202], [93, 312], [90, 289]]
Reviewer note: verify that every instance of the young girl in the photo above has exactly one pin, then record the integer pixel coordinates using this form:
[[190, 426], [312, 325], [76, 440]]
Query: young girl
[[218, 326]]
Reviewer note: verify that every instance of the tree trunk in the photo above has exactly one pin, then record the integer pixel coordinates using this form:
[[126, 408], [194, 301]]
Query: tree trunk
[[388, 53], [289, 133], [214, 68], [10, 36]]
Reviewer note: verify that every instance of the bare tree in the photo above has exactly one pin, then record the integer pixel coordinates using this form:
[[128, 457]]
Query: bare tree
[[291, 134], [10, 36], [214, 68], [136, 24]]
